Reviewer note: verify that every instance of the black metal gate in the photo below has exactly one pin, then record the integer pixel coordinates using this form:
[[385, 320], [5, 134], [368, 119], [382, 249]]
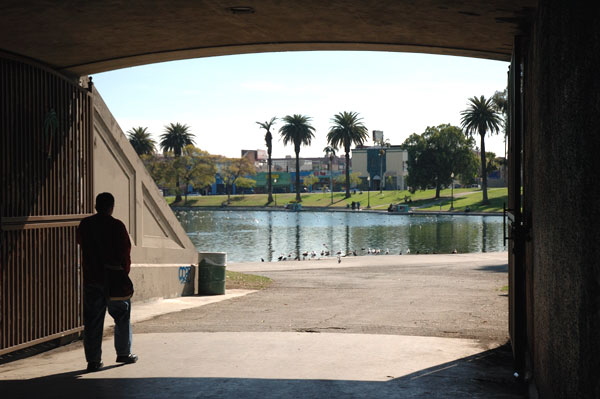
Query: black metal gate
[[517, 232], [46, 188]]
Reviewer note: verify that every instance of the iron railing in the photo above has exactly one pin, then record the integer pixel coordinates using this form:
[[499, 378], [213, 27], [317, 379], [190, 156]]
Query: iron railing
[[46, 188]]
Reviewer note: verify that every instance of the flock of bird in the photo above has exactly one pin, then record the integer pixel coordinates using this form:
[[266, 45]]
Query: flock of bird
[[326, 252]]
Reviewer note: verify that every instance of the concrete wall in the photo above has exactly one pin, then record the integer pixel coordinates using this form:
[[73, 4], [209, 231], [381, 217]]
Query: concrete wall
[[163, 281], [562, 139], [160, 246]]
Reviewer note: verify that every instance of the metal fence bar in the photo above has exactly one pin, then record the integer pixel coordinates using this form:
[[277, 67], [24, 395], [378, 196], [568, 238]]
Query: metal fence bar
[[46, 175]]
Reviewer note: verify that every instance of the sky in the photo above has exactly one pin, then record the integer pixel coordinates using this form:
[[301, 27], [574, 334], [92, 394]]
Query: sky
[[222, 98]]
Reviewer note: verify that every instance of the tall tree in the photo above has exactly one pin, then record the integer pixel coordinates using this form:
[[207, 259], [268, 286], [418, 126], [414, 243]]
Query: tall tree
[[244, 183], [347, 129], [232, 169], [297, 131], [480, 117], [500, 99], [329, 151], [196, 167], [309, 180], [330, 154], [269, 141], [354, 179], [175, 138], [158, 168], [437, 153], [141, 141]]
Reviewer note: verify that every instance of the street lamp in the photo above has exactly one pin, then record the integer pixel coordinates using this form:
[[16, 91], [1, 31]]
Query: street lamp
[[382, 180], [275, 196], [331, 175], [368, 192], [452, 195]]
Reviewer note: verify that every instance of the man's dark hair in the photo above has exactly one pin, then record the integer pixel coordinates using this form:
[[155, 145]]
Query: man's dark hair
[[104, 202]]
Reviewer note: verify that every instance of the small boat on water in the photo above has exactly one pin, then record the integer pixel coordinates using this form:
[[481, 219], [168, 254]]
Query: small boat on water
[[399, 208]]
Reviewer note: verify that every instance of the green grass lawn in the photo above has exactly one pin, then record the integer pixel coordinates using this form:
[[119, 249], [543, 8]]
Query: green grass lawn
[[236, 280], [497, 197], [425, 200]]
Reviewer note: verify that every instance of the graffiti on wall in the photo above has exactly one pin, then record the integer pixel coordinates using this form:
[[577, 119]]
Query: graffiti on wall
[[185, 274]]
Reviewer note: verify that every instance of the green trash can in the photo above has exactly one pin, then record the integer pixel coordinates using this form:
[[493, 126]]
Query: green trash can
[[211, 273]]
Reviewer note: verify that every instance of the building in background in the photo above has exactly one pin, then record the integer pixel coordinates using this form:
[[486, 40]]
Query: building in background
[[258, 157], [384, 165], [283, 171]]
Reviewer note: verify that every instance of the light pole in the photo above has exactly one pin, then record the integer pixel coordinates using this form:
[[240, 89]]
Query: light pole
[[452, 195], [381, 181], [368, 191], [331, 175], [275, 196]]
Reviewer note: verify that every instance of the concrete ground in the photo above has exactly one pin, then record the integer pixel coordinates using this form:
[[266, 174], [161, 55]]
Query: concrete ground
[[426, 326]]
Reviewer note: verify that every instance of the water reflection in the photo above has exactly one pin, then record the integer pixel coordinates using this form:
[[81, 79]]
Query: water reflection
[[250, 236], [297, 235], [270, 237]]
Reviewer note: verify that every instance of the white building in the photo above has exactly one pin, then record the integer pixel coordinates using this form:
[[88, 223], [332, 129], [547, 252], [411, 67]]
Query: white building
[[384, 165]]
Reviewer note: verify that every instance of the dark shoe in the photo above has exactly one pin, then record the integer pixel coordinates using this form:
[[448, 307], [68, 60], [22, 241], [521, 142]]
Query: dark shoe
[[127, 359], [94, 366]]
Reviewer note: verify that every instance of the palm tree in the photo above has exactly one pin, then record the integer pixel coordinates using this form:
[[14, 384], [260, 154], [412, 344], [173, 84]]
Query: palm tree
[[480, 117], [347, 129], [500, 99], [175, 138], [141, 141], [330, 154], [298, 131], [269, 141]]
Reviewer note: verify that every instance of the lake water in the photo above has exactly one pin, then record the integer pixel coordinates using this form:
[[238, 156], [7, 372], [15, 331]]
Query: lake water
[[248, 236]]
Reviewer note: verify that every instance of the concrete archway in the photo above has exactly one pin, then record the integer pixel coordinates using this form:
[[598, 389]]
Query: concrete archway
[[98, 37], [559, 56]]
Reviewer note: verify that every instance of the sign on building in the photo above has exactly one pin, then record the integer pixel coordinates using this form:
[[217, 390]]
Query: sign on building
[[377, 136]]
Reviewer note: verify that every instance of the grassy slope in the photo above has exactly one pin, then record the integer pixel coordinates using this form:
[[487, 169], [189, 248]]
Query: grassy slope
[[425, 200], [244, 281]]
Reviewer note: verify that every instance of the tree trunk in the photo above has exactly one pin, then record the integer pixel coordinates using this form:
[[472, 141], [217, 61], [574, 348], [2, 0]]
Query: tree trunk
[[177, 189], [347, 175], [298, 198], [437, 190], [483, 170], [270, 184]]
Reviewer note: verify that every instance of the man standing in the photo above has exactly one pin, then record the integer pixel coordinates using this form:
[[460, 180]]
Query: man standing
[[104, 241]]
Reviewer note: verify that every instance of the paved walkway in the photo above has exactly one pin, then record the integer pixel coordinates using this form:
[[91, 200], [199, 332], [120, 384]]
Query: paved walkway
[[263, 364]]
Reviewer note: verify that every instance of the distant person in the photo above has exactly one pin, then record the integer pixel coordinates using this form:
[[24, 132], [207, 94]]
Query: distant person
[[391, 208], [105, 246]]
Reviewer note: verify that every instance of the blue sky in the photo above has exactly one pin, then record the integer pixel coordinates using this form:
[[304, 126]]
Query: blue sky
[[221, 98]]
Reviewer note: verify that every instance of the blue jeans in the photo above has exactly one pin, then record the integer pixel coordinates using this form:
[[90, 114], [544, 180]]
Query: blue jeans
[[94, 310]]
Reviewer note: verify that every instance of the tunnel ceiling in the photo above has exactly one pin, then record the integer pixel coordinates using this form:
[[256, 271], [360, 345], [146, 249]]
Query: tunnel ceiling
[[83, 37]]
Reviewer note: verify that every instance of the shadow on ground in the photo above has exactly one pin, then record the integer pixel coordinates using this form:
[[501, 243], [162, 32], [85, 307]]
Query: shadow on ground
[[485, 375], [494, 268]]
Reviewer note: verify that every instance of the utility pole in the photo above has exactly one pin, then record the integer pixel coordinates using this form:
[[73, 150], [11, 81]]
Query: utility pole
[[331, 175], [452, 191]]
